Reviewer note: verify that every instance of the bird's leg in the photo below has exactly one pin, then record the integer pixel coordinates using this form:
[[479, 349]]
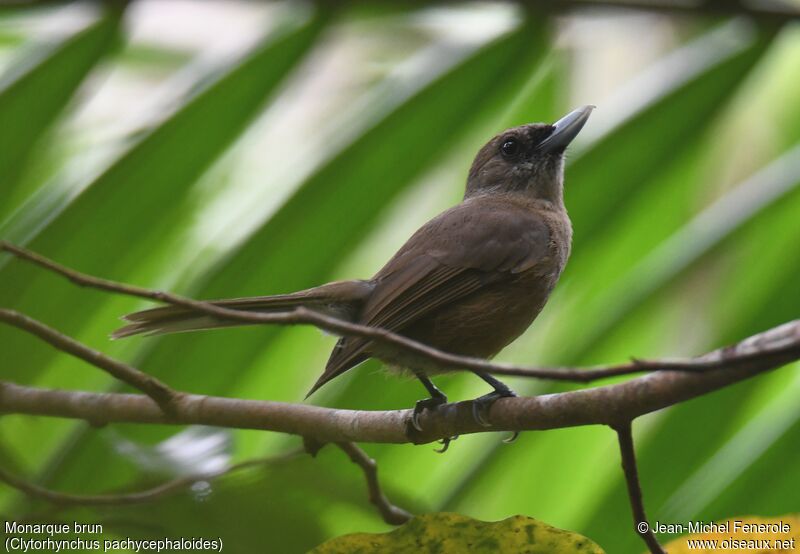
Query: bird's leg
[[482, 405], [437, 399]]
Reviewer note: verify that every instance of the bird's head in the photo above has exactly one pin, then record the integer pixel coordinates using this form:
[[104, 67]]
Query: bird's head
[[528, 159]]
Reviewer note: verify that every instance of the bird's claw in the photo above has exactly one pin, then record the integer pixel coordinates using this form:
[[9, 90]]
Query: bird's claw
[[445, 444], [482, 405], [478, 414], [426, 404]]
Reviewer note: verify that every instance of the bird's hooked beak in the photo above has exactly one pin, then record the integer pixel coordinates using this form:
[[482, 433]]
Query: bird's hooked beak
[[566, 129]]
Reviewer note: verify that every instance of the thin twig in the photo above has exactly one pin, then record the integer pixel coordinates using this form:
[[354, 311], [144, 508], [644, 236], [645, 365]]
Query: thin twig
[[163, 395], [628, 454], [615, 405], [149, 495], [391, 514], [443, 360], [608, 405]]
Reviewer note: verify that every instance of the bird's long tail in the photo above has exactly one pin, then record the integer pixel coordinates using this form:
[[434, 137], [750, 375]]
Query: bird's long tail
[[341, 299]]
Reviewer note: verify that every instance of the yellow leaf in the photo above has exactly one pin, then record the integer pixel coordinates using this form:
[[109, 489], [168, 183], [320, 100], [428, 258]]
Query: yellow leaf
[[755, 535], [447, 533]]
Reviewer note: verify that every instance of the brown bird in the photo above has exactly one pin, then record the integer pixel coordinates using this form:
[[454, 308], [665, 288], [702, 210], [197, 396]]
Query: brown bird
[[469, 281]]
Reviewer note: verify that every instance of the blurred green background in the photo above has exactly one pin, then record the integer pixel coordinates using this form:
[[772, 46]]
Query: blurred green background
[[230, 148]]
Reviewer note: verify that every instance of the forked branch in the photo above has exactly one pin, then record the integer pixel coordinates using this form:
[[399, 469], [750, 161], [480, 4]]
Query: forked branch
[[443, 360], [669, 382]]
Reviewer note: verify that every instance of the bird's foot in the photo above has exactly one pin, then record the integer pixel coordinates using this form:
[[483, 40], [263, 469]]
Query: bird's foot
[[431, 404], [481, 407], [427, 404]]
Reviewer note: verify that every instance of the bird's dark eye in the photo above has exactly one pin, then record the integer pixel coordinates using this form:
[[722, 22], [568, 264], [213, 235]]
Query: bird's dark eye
[[510, 148]]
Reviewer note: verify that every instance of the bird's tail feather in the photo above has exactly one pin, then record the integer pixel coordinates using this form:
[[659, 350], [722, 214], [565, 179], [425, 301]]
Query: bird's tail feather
[[339, 299]]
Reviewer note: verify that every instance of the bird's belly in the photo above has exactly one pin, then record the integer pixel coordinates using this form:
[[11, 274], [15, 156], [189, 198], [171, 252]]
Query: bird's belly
[[481, 324]]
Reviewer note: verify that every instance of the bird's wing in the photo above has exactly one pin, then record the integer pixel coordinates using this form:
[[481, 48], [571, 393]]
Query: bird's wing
[[454, 255]]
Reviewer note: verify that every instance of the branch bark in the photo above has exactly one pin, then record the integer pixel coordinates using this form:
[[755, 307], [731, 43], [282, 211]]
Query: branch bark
[[608, 405], [628, 456], [671, 382], [301, 315], [162, 394], [391, 514]]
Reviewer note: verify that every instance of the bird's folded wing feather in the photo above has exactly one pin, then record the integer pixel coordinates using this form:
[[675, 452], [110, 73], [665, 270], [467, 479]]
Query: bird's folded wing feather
[[453, 256]]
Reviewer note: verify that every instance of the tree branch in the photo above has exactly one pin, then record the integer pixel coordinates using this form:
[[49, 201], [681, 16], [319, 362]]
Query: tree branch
[[152, 387], [628, 455], [125, 499], [614, 405], [301, 315], [608, 405], [391, 514]]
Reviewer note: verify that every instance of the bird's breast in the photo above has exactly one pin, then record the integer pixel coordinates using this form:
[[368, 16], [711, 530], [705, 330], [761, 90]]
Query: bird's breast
[[486, 321]]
